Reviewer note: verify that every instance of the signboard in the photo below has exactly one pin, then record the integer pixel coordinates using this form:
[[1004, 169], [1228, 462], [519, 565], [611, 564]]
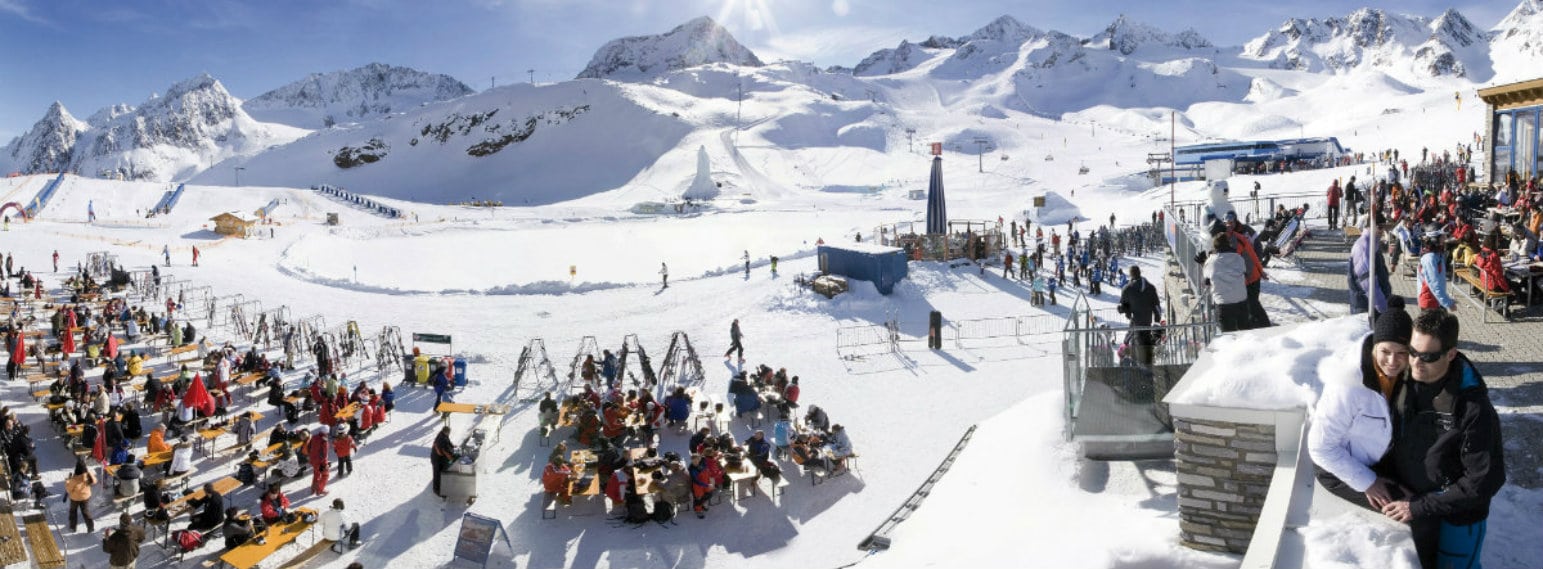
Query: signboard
[[475, 541], [432, 338]]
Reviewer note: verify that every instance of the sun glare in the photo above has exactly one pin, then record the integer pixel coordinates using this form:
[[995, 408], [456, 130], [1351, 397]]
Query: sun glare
[[755, 15]]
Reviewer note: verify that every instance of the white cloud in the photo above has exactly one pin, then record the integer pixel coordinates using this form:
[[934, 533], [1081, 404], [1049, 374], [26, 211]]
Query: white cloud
[[19, 9], [841, 7], [831, 46]]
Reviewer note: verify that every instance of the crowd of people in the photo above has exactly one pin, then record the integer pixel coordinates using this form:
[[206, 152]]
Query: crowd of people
[[625, 430]]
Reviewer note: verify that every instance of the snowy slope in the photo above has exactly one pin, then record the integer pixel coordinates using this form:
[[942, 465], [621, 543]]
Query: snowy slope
[[372, 91]]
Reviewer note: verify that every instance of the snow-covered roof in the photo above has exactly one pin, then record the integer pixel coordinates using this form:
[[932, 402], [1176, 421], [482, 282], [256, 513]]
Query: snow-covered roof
[[869, 248], [1268, 369]]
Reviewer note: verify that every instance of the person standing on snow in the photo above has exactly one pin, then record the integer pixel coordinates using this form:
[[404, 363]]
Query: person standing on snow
[[195, 255], [1140, 303], [664, 274], [166, 252], [91, 211], [747, 263], [56, 260], [734, 341]]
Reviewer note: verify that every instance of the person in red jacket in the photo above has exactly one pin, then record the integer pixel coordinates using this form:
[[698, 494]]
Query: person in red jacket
[[274, 505], [1334, 195], [555, 480], [343, 446], [316, 450], [702, 485], [791, 393], [615, 422], [1491, 269]]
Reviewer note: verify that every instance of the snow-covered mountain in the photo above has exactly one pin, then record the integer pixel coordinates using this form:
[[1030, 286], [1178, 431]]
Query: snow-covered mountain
[[1448, 45], [903, 57], [195, 124], [1126, 36], [697, 42], [46, 147], [321, 100], [1517, 43], [106, 114]]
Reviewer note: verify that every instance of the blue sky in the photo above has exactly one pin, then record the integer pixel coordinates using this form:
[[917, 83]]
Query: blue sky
[[92, 53]]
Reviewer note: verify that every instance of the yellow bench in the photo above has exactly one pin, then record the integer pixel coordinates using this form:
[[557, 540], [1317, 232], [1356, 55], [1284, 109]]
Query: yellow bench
[[11, 549], [306, 556], [249, 554], [40, 538]]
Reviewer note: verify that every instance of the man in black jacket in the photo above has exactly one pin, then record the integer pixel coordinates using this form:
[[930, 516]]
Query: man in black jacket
[[441, 456], [212, 512], [1447, 447], [1140, 303]]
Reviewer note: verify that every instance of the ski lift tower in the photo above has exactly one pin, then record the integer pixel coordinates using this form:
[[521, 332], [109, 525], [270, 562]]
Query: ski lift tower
[[980, 145]]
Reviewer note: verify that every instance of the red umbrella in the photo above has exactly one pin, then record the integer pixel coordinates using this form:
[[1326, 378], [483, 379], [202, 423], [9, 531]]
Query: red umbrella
[[99, 446], [197, 397], [19, 352], [67, 343]]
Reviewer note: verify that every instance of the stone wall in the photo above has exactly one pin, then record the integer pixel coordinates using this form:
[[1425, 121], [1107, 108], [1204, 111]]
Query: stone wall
[[1224, 474], [1489, 145]]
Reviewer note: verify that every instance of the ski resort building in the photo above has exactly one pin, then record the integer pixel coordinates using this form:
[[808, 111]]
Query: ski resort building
[[1512, 124], [232, 225], [1190, 161]]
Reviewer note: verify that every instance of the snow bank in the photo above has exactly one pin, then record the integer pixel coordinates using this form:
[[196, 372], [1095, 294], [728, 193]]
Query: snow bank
[[1274, 368]]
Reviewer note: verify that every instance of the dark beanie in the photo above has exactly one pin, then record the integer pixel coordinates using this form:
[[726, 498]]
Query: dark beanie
[[1393, 326]]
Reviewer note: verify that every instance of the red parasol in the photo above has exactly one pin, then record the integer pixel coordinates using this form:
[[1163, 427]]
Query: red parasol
[[198, 398]]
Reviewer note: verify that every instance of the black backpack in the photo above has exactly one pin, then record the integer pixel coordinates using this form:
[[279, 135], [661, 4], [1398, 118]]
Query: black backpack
[[663, 511], [246, 474], [637, 510]]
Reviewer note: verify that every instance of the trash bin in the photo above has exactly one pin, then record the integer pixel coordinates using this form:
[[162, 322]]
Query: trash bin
[[935, 330], [459, 482], [460, 372]]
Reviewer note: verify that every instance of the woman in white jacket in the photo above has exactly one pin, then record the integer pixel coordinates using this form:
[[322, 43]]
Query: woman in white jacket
[[1352, 424]]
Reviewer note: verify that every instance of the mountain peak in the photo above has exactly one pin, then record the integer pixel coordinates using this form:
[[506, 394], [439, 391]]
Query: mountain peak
[[321, 100], [46, 147], [699, 41], [1126, 36], [1004, 28]]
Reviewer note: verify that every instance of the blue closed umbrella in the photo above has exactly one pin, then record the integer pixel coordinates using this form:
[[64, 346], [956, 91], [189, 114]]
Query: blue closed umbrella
[[937, 209]]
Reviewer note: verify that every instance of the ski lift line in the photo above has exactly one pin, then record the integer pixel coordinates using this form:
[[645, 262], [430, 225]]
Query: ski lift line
[[879, 539]]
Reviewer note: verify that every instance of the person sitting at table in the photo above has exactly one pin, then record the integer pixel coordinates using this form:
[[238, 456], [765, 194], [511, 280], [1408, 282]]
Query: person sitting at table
[[817, 419], [548, 413], [759, 451], [238, 529], [336, 528], [244, 429], [274, 504], [1432, 276], [619, 482], [790, 393], [1491, 268], [805, 454], [129, 418], [840, 446], [555, 478], [211, 513], [128, 476], [746, 400], [1524, 243], [677, 407], [615, 422], [181, 458], [289, 465], [156, 498]]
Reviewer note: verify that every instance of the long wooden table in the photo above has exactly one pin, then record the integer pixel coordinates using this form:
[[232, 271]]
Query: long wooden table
[[249, 554], [223, 486], [11, 549]]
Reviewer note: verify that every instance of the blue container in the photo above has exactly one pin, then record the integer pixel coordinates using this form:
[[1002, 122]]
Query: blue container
[[883, 266], [460, 372]]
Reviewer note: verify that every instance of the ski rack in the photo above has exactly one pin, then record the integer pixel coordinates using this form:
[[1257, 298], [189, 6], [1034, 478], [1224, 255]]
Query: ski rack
[[587, 347], [99, 264], [219, 309], [629, 346], [269, 325], [347, 347], [140, 280], [299, 335], [388, 350], [534, 360], [199, 295], [681, 365], [241, 317]]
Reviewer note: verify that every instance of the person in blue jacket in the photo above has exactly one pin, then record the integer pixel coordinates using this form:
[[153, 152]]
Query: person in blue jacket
[[608, 369], [677, 407]]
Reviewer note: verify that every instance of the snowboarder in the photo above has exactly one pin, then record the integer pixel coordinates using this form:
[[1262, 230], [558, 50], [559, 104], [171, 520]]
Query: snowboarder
[[664, 275], [734, 342]]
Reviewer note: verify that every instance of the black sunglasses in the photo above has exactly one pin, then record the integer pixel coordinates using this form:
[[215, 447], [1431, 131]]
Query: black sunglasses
[[1427, 357]]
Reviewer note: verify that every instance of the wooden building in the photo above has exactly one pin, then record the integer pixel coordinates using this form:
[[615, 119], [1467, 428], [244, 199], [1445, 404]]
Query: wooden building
[[232, 225], [1511, 126]]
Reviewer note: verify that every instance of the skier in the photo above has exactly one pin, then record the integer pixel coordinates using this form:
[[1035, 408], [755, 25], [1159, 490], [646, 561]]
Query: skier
[[166, 252], [91, 211], [664, 274], [734, 342], [195, 255], [56, 260], [747, 263], [774, 265]]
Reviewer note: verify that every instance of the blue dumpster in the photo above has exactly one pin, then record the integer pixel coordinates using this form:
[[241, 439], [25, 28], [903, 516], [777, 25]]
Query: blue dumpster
[[460, 372]]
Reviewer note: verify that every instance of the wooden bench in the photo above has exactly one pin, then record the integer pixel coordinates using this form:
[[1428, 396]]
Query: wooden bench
[[1501, 301], [249, 554], [173, 353], [11, 549], [310, 553], [40, 539]]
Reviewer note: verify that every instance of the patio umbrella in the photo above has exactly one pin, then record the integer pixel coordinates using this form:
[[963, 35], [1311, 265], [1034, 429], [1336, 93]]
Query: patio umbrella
[[67, 343], [937, 209], [197, 397]]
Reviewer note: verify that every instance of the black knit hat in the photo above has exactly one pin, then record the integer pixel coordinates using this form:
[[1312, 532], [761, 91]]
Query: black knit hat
[[1393, 326]]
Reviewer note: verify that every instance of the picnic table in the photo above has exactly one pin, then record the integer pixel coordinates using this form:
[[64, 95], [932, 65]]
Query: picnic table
[[739, 476], [471, 409], [1526, 273], [257, 549], [580, 460], [223, 486], [348, 412], [208, 436]]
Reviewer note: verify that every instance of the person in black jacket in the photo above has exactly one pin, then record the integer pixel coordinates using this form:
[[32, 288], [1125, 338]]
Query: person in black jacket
[[441, 456], [1140, 303], [212, 513], [1447, 447]]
